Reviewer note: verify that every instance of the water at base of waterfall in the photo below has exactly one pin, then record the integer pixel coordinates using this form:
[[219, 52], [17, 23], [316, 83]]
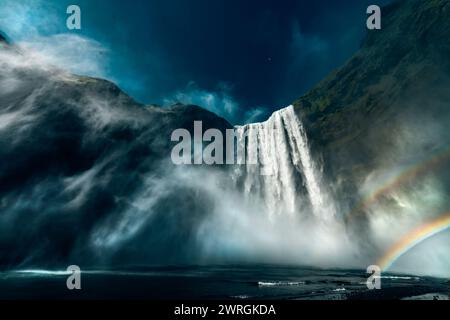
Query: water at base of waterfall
[[236, 282]]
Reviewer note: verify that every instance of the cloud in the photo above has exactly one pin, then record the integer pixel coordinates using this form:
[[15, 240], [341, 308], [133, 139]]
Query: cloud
[[39, 29], [309, 58], [219, 102], [70, 52], [256, 115], [304, 44], [28, 18]]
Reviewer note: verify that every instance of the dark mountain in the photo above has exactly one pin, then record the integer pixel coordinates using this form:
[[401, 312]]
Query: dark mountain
[[389, 104], [74, 151]]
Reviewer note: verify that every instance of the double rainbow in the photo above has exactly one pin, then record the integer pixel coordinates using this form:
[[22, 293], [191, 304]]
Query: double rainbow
[[419, 234], [415, 171]]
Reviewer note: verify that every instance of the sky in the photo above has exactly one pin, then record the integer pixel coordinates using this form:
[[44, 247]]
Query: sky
[[239, 59]]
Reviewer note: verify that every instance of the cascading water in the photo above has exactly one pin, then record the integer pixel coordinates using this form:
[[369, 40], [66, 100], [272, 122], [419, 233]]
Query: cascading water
[[279, 163]]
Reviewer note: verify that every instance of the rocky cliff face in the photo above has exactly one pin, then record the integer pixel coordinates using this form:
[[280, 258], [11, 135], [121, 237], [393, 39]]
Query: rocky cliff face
[[390, 102]]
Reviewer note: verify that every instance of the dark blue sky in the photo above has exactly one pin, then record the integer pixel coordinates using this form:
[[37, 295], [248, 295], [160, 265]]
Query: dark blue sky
[[239, 54]]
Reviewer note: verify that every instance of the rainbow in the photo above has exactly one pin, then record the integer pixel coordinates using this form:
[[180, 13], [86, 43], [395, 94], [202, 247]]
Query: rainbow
[[412, 239], [415, 171]]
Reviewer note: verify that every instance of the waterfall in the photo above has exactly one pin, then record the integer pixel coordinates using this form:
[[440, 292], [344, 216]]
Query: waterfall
[[278, 163]]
